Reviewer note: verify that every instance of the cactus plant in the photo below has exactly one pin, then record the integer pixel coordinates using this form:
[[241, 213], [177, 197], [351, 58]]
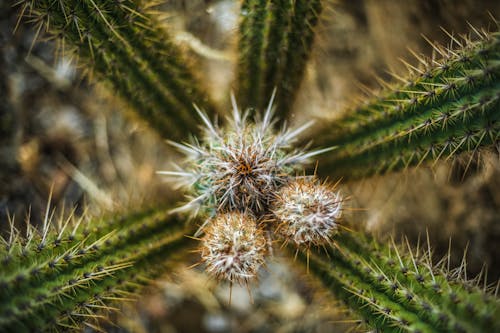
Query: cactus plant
[[397, 289], [446, 107], [62, 276], [122, 42], [66, 276]]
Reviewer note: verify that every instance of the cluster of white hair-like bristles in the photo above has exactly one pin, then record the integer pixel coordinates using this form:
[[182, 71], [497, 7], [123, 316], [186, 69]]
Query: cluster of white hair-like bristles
[[238, 167], [234, 247], [238, 176], [307, 211]]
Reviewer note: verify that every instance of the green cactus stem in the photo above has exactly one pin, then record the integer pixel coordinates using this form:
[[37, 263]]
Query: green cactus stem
[[449, 106], [252, 26], [72, 274], [276, 38], [124, 44], [300, 40], [400, 290]]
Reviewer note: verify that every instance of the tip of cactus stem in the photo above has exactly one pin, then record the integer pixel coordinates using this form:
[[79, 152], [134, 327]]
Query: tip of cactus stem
[[233, 247], [239, 166], [307, 211]]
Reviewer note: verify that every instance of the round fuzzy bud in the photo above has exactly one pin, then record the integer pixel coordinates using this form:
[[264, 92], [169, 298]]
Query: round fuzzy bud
[[233, 247], [307, 211], [246, 174]]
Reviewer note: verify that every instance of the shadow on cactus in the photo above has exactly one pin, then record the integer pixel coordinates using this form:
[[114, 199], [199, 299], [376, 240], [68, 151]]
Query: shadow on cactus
[[246, 178]]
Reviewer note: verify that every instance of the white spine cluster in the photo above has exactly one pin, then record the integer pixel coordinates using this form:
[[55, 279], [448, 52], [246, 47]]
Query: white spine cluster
[[240, 166], [307, 211], [233, 247]]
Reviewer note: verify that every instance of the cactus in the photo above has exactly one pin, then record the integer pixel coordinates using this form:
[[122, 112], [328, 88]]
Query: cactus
[[402, 290], [124, 44], [67, 276], [276, 39], [448, 106]]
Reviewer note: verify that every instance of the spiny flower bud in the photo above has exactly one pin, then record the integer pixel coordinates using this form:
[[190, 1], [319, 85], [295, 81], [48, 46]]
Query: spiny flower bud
[[307, 211], [233, 247], [239, 166]]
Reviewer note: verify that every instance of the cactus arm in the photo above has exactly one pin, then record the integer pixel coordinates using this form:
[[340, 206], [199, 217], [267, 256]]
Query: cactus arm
[[275, 50], [400, 290], [300, 41], [274, 47], [473, 122], [138, 70], [252, 31], [75, 274], [450, 107]]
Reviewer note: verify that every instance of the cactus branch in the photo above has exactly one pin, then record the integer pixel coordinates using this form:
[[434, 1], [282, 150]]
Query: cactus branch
[[252, 32], [448, 107], [401, 290], [300, 40], [126, 45], [276, 38], [63, 275]]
